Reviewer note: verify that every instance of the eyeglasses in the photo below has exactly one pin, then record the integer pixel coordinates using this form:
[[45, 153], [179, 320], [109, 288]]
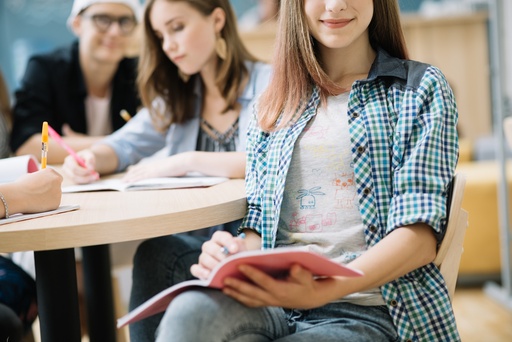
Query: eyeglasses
[[103, 22]]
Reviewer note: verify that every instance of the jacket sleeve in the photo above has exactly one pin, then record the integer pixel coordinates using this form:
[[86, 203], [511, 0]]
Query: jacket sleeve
[[137, 139], [33, 103]]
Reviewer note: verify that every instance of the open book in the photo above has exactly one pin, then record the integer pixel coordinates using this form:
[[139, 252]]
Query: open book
[[15, 167], [275, 262], [146, 184], [22, 217]]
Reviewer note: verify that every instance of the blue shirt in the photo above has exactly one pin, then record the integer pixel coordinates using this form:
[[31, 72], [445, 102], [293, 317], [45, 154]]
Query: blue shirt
[[404, 143], [139, 139]]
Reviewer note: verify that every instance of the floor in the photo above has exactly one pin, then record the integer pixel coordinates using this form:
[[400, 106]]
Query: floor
[[479, 318]]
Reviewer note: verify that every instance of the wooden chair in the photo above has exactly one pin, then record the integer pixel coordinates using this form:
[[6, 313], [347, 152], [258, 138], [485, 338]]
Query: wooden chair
[[451, 248]]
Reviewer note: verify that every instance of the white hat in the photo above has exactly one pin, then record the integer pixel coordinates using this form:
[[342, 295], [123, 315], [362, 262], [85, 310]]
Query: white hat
[[80, 5]]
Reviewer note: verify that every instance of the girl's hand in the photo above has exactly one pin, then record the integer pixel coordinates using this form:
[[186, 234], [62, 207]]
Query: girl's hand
[[78, 174], [173, 166], [299, 290], [221, 245], [38, 191]]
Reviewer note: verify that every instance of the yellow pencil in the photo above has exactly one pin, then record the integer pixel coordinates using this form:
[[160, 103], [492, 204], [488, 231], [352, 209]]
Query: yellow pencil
[[125, 115], [44, 145]]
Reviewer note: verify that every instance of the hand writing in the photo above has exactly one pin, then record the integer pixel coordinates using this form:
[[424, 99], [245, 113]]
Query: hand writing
[[214, 251], [78, 174]]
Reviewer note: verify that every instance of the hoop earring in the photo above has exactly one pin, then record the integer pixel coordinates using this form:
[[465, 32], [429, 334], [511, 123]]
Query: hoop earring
[[184, 77], [221, 48]]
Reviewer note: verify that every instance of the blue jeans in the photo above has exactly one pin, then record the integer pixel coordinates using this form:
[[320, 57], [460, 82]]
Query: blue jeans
[[209, 315], [160, 263]]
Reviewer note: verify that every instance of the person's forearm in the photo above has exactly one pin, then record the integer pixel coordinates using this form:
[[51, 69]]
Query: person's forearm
[[56, 153], [17, 201], [4, 192], [252, 239], [222, 164], [106, 158], [399, 253]]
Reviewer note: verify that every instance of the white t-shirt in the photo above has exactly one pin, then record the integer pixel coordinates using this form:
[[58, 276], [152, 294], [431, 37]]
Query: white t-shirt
[[97, 111], [320, 210]]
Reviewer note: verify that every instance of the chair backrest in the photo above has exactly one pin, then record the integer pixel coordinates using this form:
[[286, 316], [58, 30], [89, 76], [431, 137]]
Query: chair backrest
[[451, 248]]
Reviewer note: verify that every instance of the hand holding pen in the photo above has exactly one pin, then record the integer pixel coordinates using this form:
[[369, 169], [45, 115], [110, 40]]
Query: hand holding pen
[[78, 174], [44, 145], [219, 247], [58, 139], [232, 248]]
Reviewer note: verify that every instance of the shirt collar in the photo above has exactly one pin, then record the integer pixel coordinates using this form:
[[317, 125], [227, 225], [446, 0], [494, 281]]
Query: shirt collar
[[385, 65]]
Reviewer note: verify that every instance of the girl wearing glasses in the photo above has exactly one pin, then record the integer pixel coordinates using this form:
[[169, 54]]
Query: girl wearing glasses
[[197, 82], [80, 89], [370, 138]]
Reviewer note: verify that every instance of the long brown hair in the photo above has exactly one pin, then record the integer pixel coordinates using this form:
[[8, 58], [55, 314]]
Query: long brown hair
[[5, 102], [296, 65], [158, 76]]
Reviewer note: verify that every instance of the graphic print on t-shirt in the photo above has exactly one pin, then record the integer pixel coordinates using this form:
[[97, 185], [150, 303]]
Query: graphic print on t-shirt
[[307, 198], [345, 194]]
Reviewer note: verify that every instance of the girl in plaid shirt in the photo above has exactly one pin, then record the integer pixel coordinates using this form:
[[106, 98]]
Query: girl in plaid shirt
[[350, 154]]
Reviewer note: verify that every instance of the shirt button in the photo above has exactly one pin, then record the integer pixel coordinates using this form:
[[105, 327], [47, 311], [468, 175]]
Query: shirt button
[[367, 191], [361, 149], [409, 340], [373, 229], [355, 115], [393, 303]]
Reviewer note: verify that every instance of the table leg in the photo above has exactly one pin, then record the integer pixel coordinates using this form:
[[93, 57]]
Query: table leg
[[57, 295], [98, 293]]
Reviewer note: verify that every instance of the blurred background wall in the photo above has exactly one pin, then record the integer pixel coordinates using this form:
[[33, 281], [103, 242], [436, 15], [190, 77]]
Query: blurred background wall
[[28, 27], [33, 26]]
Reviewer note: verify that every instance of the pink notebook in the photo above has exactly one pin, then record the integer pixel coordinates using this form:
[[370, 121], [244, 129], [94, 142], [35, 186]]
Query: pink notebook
[[275, 262]]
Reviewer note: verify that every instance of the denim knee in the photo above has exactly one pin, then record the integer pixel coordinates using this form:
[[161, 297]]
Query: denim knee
[[209, 315], [159, 263]]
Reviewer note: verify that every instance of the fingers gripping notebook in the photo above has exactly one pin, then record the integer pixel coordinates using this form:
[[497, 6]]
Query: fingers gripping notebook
[[275, 262]]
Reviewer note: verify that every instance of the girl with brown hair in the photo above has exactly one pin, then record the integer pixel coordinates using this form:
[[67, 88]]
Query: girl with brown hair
[[197, 82], [369, 137]]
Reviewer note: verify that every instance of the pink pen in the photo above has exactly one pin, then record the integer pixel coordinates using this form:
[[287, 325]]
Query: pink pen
[[58, 139]]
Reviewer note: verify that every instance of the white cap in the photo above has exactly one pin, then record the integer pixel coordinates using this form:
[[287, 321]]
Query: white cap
[[80, 5]]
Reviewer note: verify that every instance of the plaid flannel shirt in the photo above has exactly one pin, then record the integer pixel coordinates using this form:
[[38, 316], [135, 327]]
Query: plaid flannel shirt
[[402, 122]]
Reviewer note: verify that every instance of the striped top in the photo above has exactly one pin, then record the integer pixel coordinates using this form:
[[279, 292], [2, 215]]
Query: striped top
[[404, 145], [211, 140]]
